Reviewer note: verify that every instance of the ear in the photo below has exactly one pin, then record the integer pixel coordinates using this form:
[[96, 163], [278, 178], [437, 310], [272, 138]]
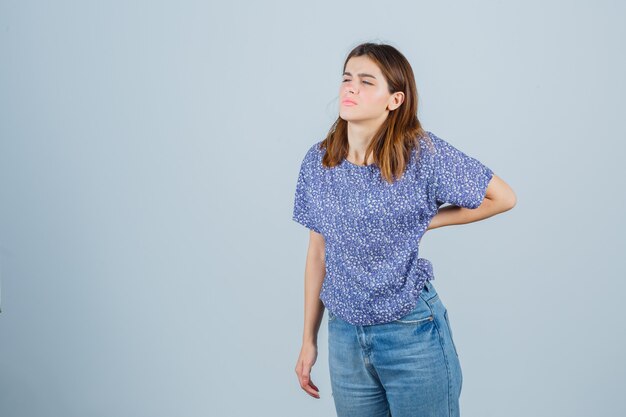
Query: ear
[[395, 100]]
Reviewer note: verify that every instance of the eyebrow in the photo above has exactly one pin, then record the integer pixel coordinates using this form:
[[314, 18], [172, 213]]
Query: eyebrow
[[360, 75]]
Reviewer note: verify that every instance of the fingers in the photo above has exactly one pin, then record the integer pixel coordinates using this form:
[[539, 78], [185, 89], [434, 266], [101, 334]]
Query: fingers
[[304, 376], [309, 387]]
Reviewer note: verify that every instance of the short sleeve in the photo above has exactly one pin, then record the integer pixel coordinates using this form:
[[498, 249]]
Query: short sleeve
[[304, 203], [458, 179]]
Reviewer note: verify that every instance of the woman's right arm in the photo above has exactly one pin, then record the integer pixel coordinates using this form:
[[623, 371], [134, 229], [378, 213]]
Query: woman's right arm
[[315, 270]]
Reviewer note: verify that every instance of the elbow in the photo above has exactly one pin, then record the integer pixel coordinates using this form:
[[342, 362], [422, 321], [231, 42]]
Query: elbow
[[503, 203], [510, 201]]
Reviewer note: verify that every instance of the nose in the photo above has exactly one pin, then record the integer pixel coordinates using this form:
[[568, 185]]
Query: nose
[[349, 88]]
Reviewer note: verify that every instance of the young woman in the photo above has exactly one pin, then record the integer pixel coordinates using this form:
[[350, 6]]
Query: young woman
[[368, 192]]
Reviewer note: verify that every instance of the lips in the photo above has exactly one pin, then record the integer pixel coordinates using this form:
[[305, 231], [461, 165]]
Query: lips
[[348, 102]]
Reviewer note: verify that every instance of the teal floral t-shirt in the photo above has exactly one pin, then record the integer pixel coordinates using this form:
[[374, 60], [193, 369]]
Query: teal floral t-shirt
[[372, 228]]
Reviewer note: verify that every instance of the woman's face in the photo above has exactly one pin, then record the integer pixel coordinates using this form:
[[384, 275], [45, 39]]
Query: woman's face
[[364, 85]]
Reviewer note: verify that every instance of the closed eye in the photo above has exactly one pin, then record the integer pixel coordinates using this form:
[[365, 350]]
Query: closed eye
[[364, 82]]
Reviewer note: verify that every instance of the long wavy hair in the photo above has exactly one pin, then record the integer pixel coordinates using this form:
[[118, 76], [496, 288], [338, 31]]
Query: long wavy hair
[[399, 134]]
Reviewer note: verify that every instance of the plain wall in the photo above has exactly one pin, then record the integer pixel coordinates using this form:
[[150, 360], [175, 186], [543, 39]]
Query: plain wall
[[149, 153]]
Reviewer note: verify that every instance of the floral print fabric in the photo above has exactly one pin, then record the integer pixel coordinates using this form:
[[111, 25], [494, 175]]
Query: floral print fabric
[[372, 229]]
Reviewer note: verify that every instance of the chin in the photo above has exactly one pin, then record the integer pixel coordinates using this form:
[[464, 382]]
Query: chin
[[350, 117]]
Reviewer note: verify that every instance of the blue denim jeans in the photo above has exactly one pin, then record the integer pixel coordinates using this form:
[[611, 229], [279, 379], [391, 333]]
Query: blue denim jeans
[[405, 368]]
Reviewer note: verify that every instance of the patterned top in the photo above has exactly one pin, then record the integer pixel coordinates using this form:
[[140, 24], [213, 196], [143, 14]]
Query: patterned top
[[372, 229]]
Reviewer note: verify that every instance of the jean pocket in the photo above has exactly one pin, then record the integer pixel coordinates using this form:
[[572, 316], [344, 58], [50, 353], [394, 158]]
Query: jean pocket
[[422, 313], [445, 315]]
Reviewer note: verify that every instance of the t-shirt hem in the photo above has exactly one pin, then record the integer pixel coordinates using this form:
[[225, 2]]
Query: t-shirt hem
[[306, 223]]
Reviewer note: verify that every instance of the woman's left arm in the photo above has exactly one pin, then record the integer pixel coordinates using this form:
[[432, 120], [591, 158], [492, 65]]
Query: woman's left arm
[[499, 197]]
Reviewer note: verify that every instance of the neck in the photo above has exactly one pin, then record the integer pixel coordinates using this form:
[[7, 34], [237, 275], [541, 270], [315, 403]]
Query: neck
[[360, 134]]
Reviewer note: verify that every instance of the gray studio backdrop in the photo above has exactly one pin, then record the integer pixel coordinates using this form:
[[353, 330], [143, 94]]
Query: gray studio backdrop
[[149, 152]]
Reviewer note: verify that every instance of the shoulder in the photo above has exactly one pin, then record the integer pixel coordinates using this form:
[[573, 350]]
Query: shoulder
[[436, 143], [435, 151], [315, 150], [442, 149], [314, 154], [426, 148]]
